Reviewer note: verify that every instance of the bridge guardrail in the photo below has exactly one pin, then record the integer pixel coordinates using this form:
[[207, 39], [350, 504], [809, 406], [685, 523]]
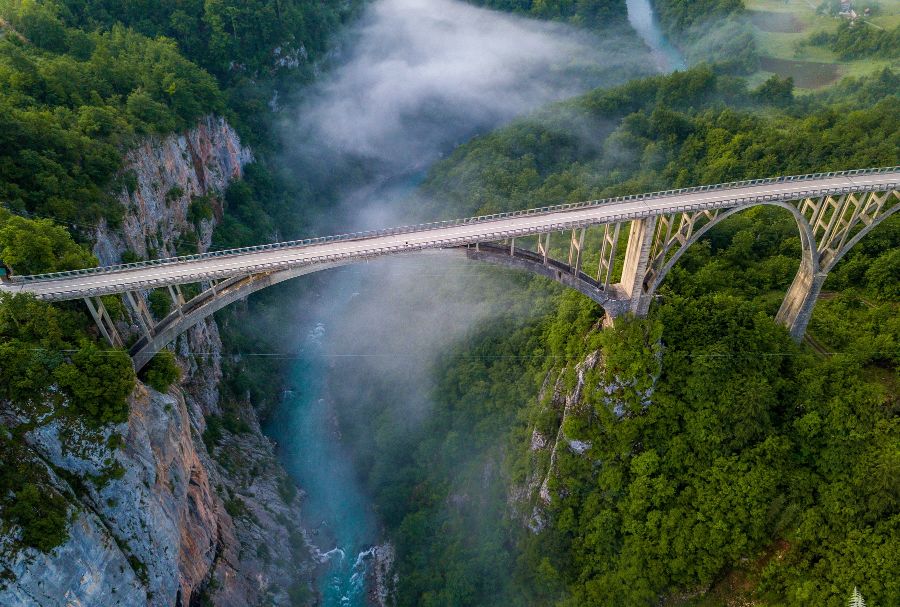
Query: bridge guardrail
[[450, 223]]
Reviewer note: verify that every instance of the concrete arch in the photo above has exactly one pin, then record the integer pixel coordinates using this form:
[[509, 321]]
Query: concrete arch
[[229, 291], [207, 303], [809, 259], [564, 274]]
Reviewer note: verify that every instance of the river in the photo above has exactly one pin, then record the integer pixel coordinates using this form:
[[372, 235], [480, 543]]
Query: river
[[645, 23], [446, 44]]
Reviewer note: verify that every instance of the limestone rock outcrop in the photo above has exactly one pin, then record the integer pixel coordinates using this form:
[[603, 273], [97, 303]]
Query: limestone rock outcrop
[[172, 515]]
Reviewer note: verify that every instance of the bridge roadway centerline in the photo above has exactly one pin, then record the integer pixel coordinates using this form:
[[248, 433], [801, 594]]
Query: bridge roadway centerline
[[179, 271]]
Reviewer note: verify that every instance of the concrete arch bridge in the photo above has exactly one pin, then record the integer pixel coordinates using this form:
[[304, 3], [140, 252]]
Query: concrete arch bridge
[[833, 211]]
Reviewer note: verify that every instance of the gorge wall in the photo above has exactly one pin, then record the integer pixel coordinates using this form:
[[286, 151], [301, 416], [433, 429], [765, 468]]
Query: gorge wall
[[173, 512]]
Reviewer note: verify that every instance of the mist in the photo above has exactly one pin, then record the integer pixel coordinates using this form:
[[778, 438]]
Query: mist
[[413, 79]]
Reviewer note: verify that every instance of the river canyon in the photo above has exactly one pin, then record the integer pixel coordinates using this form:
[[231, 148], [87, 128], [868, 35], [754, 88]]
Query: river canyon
[[414, 79]]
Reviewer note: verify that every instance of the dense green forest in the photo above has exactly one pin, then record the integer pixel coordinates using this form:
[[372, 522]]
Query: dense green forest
[[756, 469], [710, 31], [80, 83], [854, 40], [598, 13], [71, 101], [679, 16], [724, 460]]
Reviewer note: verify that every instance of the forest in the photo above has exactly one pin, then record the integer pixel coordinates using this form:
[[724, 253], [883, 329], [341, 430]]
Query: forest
[[855, 41], [80, 83], [724, 461], [754, 464]]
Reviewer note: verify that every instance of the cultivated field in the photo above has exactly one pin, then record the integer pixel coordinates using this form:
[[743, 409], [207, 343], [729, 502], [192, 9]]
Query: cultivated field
[[782, 27]]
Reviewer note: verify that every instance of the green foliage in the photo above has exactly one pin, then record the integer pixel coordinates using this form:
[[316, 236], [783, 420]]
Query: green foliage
[[200, 209], [162, 371], [69, 101], [681, 15], [220, 33], [160, 302], [710, 31], [36, 246], [857, 40], [27, 500], [599, 13], [235, 507], [715, 440], [664, 132], [99, 382], [253, 48], [882, 276], [42, 516], [775, 90], [42, 346]]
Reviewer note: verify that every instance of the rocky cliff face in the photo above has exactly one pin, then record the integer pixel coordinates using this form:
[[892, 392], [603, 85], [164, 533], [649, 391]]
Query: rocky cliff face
[[528, 500], [177, 514], [173, 192]]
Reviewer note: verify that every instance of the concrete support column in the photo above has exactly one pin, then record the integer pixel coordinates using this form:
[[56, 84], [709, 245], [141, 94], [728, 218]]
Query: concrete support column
[[177, 298], [104, 322], [544, 246], [608, 254], [797, 307], [576, 244], [145, 320], [637, 255]]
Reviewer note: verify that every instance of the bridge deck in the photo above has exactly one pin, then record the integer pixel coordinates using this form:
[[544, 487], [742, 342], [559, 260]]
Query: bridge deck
[[117, 279]]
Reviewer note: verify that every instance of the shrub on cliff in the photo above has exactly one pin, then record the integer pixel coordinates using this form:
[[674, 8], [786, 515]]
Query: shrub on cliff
[[161, 372], [28, 504], [45, 353]]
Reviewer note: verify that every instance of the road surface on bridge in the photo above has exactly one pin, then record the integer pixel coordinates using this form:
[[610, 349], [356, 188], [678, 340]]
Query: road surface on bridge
[[117, 279]]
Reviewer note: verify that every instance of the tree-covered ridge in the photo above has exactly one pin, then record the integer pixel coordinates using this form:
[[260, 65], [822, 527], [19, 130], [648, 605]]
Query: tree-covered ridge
[[596, 13], [753, 470], [70, 101], [691, 128], [51, 367], [679, 16], [227, 37], [259, 50], [854, 40], [710, 31]]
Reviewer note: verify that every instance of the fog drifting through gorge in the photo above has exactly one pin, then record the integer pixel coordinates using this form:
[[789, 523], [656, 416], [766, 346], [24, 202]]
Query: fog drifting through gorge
[[415, 78]]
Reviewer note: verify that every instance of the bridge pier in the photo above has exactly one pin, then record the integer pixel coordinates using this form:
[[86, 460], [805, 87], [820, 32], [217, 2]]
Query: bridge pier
[[637, 258], [797, 308]]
